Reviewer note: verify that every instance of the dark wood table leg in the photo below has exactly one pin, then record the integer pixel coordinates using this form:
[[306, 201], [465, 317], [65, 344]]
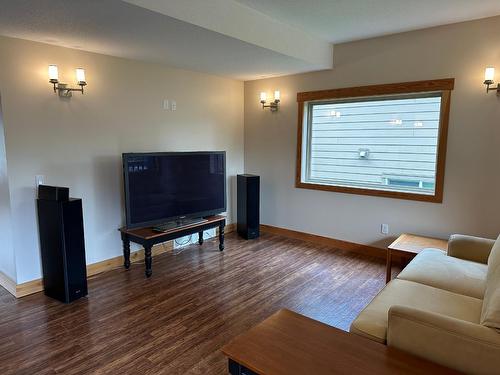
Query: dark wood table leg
[[221, 235], [200, 238], [148, 260], [126, 251], [388, 266]]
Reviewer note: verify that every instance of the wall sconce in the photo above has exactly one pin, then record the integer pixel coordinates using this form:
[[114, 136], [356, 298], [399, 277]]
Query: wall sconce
[[489, 77], [62, 88], [273, 106]]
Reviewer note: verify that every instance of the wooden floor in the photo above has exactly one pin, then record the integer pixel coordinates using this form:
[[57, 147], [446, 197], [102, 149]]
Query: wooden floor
[[195, 302]]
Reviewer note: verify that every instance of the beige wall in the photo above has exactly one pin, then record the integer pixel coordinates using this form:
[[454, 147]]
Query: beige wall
[[78, 142], [472, 182], [7, 258]]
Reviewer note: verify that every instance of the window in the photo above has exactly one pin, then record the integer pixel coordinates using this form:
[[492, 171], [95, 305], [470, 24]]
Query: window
[[386, 140]]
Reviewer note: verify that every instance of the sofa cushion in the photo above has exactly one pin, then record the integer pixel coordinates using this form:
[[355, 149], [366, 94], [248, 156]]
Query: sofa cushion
[[434, 268], [490, 315], [475, 249], [372, 321]]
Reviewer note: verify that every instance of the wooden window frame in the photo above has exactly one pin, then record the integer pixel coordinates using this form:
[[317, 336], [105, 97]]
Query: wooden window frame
[[444, 86]]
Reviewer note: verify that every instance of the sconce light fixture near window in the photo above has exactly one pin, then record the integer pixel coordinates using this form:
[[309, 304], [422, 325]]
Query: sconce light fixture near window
[[489, 79], [62, 88], [273, 106]]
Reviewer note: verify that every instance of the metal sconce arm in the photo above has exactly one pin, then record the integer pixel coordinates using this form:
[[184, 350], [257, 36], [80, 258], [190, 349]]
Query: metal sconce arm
[[65, 91], [496, 88], [273, 106]]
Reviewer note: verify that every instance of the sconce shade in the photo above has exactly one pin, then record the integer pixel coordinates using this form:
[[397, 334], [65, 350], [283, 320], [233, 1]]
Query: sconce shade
[[62, 88], [272, 105], [489, 75], [53, 74], [80, 76]]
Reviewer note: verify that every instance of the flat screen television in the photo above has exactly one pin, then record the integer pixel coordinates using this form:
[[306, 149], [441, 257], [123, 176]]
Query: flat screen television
[[168, 186]]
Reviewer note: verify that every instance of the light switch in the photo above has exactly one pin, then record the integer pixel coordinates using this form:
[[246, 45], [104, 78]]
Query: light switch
[[384, 228]]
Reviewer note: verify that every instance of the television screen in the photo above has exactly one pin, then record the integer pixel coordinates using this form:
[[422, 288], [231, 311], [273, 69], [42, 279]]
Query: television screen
[[162, 187]]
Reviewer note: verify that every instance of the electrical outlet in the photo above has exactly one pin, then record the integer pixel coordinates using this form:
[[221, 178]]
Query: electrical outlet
[[193, 239], [384, 228], [39, 180], [173, 105]]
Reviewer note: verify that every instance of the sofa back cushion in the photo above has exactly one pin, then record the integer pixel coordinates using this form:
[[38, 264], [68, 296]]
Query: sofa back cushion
[[490, 314]]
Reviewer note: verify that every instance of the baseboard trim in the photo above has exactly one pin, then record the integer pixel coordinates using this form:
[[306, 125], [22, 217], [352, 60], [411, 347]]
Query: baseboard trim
[[8, 283], [35, 286], [117, 262], [29, 287], [326, 241]]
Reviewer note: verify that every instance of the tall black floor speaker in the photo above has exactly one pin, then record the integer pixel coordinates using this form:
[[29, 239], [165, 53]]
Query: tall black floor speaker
[[62, 245], [248, 206]]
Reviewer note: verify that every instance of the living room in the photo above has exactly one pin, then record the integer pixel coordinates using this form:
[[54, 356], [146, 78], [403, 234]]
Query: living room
[[244, 79]]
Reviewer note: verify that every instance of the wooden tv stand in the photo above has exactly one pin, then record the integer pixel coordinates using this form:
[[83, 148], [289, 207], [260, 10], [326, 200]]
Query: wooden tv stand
[[147, 237]]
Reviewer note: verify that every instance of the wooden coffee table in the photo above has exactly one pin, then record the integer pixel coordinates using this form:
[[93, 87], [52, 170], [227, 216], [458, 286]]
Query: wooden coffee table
[[408, 246], [289, 343]]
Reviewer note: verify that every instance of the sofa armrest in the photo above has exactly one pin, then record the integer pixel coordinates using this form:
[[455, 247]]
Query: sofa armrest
[[476, 249], [458, 344]]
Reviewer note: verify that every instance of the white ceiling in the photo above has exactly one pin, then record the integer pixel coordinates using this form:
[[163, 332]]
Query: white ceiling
[[241, 39], [340, 21], [117, 28]]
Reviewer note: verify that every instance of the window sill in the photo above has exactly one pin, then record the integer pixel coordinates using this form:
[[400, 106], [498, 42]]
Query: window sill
[[436, 198]]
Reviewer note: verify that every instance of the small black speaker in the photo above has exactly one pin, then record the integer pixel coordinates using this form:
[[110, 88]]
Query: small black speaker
[[248, 206], [62, 246]]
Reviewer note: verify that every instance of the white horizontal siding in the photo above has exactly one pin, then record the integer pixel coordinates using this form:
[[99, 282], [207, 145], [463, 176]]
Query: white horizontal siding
[[373, 164], [377, 117], [339, 126], [324, 110], [367, 141], [377, 133], [325, 156], [417, 149], [386, 102], [401, 136]]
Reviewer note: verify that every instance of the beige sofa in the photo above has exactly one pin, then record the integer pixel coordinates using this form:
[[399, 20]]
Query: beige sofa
[[444, 306]]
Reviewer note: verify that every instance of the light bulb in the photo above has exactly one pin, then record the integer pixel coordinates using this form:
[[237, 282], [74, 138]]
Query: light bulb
[[277, 95], [53, 74], [80, 76], [263, 97], [489, 75]]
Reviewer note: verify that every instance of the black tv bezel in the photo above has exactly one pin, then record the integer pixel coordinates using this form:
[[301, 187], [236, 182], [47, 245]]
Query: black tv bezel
[[215, 211]]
